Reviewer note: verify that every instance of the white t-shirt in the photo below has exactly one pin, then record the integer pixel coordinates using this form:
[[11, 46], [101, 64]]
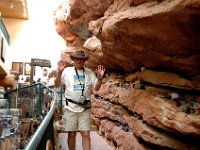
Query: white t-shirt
[[74, 85]]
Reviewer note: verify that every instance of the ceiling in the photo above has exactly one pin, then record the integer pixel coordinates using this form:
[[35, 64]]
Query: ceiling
[[16, 9]]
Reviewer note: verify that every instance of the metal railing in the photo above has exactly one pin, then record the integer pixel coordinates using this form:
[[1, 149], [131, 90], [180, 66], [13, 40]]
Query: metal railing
[[41, 101], [44, 132]]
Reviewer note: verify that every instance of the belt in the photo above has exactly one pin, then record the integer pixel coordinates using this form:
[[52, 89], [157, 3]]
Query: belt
[[70, 100]]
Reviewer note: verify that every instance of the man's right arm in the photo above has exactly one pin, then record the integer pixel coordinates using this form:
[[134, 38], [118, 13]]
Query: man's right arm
[[61, 67], [57, 80]]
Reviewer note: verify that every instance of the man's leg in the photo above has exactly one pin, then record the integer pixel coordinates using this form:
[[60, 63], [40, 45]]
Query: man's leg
[[84, 128], [71, 140], [70, 120], [86, 141]]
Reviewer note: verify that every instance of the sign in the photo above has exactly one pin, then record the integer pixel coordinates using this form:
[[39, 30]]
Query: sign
[[40, 62]]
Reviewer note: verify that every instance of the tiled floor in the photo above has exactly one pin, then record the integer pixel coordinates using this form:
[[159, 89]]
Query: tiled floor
[[97, 142]]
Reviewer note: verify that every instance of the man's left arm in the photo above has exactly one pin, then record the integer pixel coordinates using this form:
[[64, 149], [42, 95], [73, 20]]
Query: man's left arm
[[100, 73]]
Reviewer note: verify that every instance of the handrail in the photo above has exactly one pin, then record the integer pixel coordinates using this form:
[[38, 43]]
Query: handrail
[[24, 87], [33, 143]]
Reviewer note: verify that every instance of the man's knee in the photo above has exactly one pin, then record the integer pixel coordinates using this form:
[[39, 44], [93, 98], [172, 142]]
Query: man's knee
[[85, 133], [72, 134]]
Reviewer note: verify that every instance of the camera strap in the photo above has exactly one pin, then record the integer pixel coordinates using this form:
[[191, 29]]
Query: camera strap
[[82, 85]]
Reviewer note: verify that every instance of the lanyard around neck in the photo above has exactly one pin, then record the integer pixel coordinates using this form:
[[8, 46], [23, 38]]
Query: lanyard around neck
[[82, 85]]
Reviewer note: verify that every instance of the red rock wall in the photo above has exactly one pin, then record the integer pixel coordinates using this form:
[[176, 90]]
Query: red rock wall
[[151, 51], [141, 115]]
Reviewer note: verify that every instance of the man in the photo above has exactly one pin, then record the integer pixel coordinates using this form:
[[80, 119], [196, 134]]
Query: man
[[79, 83]]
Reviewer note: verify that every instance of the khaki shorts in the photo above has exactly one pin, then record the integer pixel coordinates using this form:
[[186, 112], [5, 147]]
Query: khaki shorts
[[77, 121]]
